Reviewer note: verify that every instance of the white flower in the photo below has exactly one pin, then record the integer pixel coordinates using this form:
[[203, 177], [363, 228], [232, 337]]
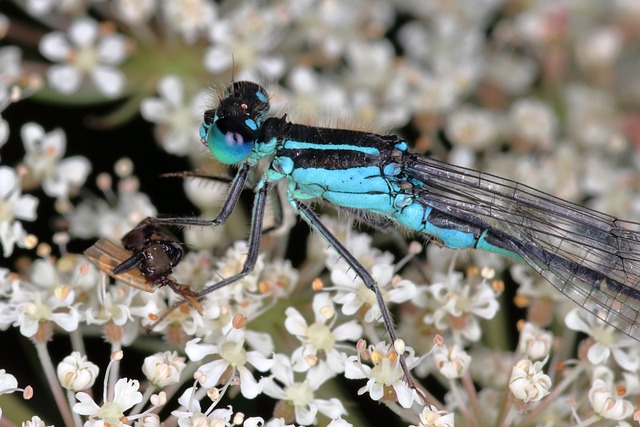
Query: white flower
[[471, 128], [510, 71], [600, 47], [233, 356], [43, 157], [48, 298], [607, 340], [113, 306], [259, 422], [176, 119], [386, 372], [85, 52], [246, 38], [352, 294], [232, 263], [301, 394], [8, 383], [191, 415], [135, 11], [533, 120], [432, 417], [278, 278], [606, 401], [125, 396], [163, 369], [13, 205], [320, 339], [528, 382], [535, 342], [35, 421], [97, 218], [195, 268], [149, 420], [339, 422], [190, 17], [459, 303], [591, 115], [452, 362], [76, 373]]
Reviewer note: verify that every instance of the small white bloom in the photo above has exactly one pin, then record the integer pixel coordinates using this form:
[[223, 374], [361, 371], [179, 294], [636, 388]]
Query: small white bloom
[[114, 306], [386, 372], [191, 414], [510, 71], [535, 342], [301, 394], [352, 294], [607, 340], [451, 361], [591, 115], [35, 421], [8, 383], [135, 11], [339, 422], [149, 420], [533, 120], [432, 417], [278, 279], [232, 263], [600, 47], [471, 128], [84, 52], [76, 373], [13, 205], [98, 218], [246, 38], [460, 302], [176, 118], [320, 339], [189, 17], [126, 395], [528, 382], [163, 369], [43, 157], [34, 307], [230, 349], [606, 401]]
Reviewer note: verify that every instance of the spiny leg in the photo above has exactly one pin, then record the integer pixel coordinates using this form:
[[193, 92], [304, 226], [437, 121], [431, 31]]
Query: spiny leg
[[237, 185], [252, 254], [310, 217], [219, 220]]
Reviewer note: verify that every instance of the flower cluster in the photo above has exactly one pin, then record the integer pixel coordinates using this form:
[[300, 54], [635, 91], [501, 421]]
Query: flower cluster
[[538, 92]]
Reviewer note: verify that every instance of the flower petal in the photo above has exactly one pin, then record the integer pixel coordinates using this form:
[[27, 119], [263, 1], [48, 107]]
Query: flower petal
[[83, 32], [295, 323], [109, 81], [64, 78], [55, 46], [249, 387]]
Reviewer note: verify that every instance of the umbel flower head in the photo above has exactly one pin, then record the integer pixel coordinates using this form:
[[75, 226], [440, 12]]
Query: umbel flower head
[[97, 99]]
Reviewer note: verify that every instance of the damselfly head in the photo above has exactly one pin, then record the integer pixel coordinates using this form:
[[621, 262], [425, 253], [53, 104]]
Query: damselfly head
[[230, 130]]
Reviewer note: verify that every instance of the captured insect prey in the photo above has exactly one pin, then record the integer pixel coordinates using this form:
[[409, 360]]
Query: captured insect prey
[[148, 261]]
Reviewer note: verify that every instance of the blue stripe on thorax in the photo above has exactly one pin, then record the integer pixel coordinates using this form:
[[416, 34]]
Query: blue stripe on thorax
[[303, 145]]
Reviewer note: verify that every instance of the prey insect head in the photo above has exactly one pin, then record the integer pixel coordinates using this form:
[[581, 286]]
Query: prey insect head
[[231, 130]]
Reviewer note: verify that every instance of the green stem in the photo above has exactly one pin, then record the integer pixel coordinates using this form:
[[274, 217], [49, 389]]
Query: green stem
[[54, 384]]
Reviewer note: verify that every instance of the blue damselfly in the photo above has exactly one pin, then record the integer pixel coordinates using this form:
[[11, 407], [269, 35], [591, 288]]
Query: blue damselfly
[[591, 257]]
